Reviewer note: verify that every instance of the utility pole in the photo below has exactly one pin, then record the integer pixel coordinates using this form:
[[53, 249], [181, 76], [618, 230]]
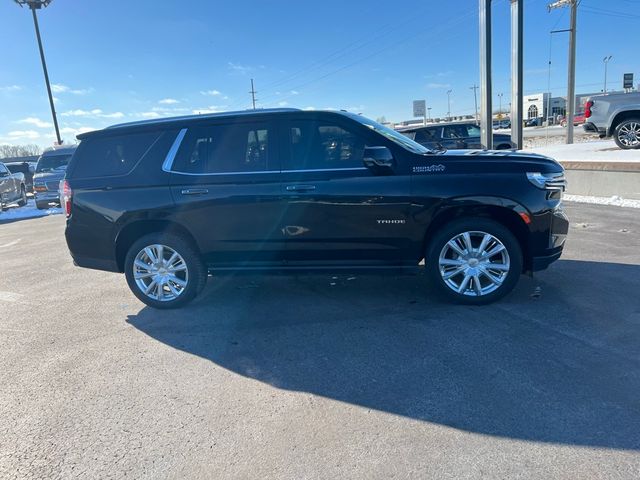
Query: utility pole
[[475, 98], [500, 107], [606, 62], [253, 95], [571, 89], [486, 117], [449, 104], [429, 110], [36, 5]]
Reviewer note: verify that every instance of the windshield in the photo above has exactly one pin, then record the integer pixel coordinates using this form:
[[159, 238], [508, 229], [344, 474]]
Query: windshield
[[392, 135], [52, 162]]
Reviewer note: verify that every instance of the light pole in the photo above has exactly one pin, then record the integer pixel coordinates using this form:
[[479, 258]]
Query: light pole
[[36, 5], [500, 107], [429, 109], [605, 60], [449, 104], [475, 98]]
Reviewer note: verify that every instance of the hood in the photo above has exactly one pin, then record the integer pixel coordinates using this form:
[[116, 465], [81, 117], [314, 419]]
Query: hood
[[493, 161]]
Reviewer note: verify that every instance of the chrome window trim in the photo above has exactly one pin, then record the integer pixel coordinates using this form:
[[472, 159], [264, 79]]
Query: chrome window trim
[[225, 173], [171, 154], [326, 170]]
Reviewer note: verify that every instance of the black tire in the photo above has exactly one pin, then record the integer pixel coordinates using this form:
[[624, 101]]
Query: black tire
[[478, 226], [504, 146], [628, 124], [23, 197], [42, 206], [197, 272]]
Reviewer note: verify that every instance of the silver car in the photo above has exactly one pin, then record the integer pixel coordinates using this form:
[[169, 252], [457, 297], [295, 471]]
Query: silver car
[[50, 169]]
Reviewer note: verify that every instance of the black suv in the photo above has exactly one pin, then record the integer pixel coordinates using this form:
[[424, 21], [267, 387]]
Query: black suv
[[452, 136], [169, 201]]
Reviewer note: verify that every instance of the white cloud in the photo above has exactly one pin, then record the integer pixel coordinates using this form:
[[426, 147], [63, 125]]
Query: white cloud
[[309, 108], [211, 93], [11, 88], [243, 69], [26, 134], [96, 112], [36, 122], [113, 115], [168, 101], [209, 109], [60, 88], [283, 104], [438, 85], [75, 131], [294, 92], [149, 114]]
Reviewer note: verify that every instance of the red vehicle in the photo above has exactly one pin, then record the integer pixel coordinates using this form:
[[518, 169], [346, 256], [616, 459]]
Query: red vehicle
[[578, 119]]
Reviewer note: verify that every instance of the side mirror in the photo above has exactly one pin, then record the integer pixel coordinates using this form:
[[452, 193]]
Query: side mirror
[[378, 159]]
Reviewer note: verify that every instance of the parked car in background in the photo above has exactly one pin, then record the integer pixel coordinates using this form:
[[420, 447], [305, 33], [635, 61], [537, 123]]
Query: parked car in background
[[504, 124], [454, 136], [27, 169], [12, 187], [578, 119], [168, 201], [615, 115], [533, 122], [50, 169]]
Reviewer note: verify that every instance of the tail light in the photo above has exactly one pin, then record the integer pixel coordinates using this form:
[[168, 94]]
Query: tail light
[[66, 194], [587, 109]]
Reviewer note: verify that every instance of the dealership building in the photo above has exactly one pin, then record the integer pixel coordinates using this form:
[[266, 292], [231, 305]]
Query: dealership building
[[539, 105]]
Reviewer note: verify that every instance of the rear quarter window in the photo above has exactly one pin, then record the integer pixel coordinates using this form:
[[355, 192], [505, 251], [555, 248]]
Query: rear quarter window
[[112, 155]]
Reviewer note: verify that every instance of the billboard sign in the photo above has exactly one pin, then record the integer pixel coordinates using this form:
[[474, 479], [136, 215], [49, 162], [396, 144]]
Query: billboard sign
[[419, 108]]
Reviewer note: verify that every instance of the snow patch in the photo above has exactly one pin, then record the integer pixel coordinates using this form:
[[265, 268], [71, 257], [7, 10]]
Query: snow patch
[[28, 211], [614, 200], [595, 151]]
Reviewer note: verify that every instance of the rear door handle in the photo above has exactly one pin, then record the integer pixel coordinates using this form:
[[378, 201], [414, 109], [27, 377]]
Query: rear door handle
[[194, 191], [300, 188]]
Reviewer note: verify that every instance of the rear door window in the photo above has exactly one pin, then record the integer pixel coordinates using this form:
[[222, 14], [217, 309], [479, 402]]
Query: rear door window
[[112, 155], [216, 149], [425, 135]]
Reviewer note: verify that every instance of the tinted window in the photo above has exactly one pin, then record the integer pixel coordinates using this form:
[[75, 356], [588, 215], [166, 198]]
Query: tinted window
[[225, 149], [473, 130], [316, 145], [48, 163], [3, 169], [454, 131], [112, 155], [24, 168], [425, 136]]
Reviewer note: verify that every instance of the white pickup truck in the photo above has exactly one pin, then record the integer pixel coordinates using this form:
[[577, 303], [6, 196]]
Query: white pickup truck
[[615, 115]]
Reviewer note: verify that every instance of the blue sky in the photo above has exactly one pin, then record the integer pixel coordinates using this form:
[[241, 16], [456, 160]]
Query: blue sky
[[121, 60]]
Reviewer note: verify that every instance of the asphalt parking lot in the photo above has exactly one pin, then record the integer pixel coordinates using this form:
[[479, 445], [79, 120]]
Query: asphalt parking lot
[[322, 377]]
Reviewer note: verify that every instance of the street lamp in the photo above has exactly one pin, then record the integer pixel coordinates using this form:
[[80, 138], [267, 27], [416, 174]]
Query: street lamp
[[449, 104], [429, 109], [500, 108], [36, 5], [605, 60]]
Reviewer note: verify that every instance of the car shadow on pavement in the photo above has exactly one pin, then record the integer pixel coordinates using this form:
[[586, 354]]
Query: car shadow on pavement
[[556, 361]]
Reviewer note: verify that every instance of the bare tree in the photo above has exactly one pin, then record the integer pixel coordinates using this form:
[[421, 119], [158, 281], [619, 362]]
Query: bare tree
[[7, 151]]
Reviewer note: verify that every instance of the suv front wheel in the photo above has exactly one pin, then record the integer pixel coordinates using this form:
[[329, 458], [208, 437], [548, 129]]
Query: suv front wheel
[[627, 134], [474, 261], [164, 270]]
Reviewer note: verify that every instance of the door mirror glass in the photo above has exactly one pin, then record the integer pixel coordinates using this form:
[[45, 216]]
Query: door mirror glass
[[378, 159]]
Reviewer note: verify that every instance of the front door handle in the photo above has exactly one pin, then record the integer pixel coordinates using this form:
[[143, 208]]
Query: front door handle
[[300, 188], [194, 191]]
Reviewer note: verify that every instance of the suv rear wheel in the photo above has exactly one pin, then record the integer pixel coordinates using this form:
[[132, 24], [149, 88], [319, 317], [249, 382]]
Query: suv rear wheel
[[23, 197], [474, 261], [627, 134], [164, 270]]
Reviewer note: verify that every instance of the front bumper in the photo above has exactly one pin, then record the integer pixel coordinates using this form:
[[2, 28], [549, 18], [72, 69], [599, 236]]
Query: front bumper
[[557, 237]]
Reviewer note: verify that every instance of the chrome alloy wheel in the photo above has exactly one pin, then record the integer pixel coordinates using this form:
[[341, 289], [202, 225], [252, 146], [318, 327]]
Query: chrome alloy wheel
[[474, 263], [160, 272], [629, 134]]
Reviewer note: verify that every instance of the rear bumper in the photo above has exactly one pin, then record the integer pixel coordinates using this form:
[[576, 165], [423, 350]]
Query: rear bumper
[[591, 127]]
